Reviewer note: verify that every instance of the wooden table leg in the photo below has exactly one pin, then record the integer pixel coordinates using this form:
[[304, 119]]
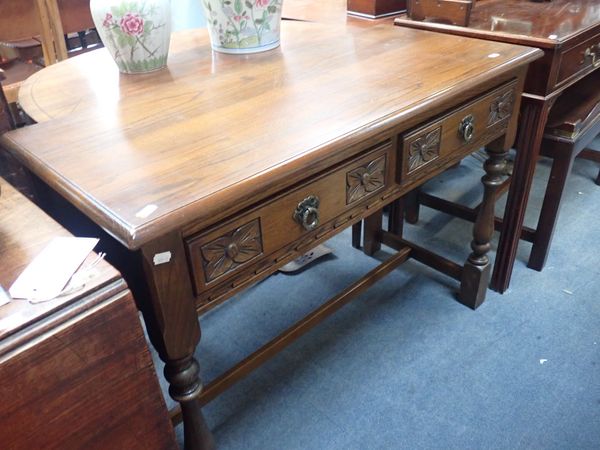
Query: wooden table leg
[[396, 217], [412, 205], [372, 228], [476, 271], [534, 113], [561, 167], [173, 328]]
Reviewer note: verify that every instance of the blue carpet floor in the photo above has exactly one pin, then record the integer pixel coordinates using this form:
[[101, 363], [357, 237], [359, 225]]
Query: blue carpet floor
[[404, 366]]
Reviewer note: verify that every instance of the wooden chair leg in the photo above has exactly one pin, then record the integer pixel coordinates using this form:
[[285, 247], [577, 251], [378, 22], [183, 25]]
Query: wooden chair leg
[[561, 167], [476, 271], [356, 234], [412, 205], [396, 217], [371, 242]]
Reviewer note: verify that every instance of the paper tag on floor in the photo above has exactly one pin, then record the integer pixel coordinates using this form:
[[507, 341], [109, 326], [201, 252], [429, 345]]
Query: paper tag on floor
[[307, 258], [47, 275]]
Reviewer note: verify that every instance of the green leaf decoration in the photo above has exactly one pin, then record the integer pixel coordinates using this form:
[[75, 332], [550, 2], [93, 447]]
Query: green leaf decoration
[[143, 65], [121, 40], [237, 6], [248, 4], [272, 9], [148, 28]]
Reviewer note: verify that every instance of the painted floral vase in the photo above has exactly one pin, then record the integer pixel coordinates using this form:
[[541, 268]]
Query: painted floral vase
[[136, 33], [243, 26]]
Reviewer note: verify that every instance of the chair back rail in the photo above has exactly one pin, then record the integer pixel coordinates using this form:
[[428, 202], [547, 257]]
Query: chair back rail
[[24, 19]]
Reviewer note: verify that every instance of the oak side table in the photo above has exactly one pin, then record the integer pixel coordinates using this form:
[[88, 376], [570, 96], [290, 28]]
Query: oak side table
[[215, 172]]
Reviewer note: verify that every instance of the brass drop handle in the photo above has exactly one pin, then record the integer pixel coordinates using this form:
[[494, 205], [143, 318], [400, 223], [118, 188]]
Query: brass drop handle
[[307, 212], [591, 53], [467, 128]]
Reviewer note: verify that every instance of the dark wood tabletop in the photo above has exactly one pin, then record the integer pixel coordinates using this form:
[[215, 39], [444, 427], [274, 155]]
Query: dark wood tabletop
[[263, 119], [540, 24]]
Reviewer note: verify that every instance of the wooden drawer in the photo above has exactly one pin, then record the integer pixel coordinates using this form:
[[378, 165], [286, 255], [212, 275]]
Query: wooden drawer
[[245, 241], [579, 59], [456, 134]]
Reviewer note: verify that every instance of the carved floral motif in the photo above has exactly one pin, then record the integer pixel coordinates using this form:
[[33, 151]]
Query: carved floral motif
[[231, 250], [501, 107], [424, 149], [365, 179]]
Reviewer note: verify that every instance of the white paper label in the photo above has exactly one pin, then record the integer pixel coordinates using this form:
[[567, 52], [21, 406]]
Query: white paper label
[[46, 276], [161, 258]]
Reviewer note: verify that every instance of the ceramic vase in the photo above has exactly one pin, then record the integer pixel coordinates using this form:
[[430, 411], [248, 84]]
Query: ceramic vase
[[243, 26], [136, 33]]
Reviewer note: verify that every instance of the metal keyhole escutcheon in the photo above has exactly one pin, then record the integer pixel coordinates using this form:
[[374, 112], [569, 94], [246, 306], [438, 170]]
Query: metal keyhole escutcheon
[[467, 128], [307, 212]]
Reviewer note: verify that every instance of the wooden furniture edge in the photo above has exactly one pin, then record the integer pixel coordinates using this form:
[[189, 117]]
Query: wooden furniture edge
[[326, 155], [79, 307], [476, 33]]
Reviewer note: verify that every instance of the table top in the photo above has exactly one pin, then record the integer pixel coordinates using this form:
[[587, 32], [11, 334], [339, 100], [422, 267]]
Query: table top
[[24, 231], [143, 155], [542, 24]]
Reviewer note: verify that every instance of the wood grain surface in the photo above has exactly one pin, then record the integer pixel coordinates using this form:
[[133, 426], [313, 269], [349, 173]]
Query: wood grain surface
[[24, 232], [214, 130], [541, 24], [89, 383], [75, 372]]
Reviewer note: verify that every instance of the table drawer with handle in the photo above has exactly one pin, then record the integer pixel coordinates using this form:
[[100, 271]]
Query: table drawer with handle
[[579, 59], [298, 216], [456, 134]]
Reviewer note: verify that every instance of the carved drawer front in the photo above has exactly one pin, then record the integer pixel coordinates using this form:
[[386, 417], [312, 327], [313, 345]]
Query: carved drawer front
[[457, 133], [289, 220], [579, 59]]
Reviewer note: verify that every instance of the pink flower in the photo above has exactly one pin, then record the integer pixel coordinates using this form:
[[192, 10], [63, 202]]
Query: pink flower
[[132, 24], [239, 18], [262, 3], [108, 20]]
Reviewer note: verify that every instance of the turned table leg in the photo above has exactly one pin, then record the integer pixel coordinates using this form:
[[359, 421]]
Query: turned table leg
[[172, 324], [476, 271], [185, 387]]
